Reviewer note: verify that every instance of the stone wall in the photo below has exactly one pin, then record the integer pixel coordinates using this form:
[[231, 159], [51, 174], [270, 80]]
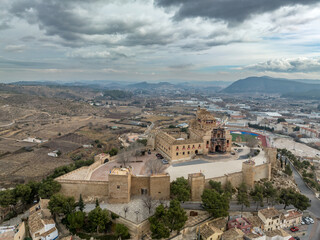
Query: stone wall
[[235, 179], [196, 183], [136, 230], [262, 171], [160, 186], [138, 183], [271, 154], [89, 190], [119, 188]]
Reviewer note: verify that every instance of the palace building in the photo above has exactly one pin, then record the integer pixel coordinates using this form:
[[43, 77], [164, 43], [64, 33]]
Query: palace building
[[204, 136]]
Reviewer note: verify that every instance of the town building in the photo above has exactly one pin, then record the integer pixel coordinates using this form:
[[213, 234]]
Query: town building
[[241, 223], [208, 232], [13, 232], [232, 234], [271, 218], [292, 217], [278, 234], [310, 132], [40, 222]]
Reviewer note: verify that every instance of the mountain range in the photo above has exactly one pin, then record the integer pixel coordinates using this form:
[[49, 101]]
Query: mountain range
[[270, 85]]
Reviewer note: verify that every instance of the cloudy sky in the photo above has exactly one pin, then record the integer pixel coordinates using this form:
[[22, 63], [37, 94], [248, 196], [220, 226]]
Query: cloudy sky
[[160, 40]]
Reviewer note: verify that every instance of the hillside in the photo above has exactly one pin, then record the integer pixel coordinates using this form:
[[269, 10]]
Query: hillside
[[269, 85]]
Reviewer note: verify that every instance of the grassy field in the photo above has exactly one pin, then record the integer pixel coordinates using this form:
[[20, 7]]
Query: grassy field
[[244, 137]]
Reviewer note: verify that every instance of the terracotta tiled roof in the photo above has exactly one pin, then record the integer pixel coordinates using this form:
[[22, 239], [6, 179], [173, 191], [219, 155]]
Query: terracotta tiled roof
[[206, 231], [232, 234], [48, 232], [255, 221], [269, 212], [277, 232], [35, 223]]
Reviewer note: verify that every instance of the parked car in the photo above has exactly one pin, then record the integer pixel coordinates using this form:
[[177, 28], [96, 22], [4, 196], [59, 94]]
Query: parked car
[[302, 222], [294, 229], [164, 161], [296, 238], [310, 220], [160, 156]]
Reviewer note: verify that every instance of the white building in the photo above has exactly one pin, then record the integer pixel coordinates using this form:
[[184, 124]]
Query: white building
[[41, 224]]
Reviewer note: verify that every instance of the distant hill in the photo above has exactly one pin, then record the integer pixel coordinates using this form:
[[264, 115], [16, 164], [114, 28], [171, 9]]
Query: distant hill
[[269, 85], [146, 85], [311, 95]]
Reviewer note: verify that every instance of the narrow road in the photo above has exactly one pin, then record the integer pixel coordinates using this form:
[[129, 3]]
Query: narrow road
[[315, 204]]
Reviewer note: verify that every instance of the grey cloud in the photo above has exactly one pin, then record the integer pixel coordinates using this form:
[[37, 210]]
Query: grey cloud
[[58, 18], [181, 66], [288, 65], [15, 48], [231, 11], [4, 62]]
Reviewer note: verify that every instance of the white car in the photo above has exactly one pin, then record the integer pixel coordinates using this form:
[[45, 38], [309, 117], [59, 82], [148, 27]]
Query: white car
[[302, 222], [310, 220]]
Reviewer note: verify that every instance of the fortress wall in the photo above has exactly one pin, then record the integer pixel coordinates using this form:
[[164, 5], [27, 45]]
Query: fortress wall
[[235, 179], [262, 171], [136, 230], [89, 190], [160, 186], [138, 182], [70, 175], [222, 179]]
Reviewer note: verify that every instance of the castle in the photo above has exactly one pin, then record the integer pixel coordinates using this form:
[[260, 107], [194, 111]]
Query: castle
[[106, 181], [204, 136]]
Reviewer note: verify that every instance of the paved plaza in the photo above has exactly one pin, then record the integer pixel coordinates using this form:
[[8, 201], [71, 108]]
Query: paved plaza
[[137, 164], [212, 168], [137, 211], [298, 149]]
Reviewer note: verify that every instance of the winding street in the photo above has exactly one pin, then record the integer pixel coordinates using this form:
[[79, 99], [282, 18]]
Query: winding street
[[315, 204]]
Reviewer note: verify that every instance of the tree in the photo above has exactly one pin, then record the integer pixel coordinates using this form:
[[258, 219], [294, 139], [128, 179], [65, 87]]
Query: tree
[[252, 142], [60, 204], [148, 202], [113, 152], [121, 231], [257, 195], [229, 189], [269, 191], [287, 197], [215, 203], [288, 170], [76, 221], [98, 219], [281, 120], [23, 193], [48, 187], [7, 198], [216, 186], [176, 216], [302, 202], [155, 166], [124, 158], [81, 204], [243, 196], [97, 203], [125, 209], [180, 189], [34, 190], [158, 226]]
